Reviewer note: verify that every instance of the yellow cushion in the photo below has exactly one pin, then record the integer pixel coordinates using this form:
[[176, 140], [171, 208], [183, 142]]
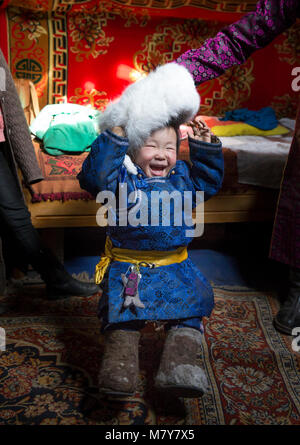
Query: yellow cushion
[[233, 128], [242, 129]]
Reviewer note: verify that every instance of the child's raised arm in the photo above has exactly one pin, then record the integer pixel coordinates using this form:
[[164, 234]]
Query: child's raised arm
[[206, 155], [101, 168], [197, 129]]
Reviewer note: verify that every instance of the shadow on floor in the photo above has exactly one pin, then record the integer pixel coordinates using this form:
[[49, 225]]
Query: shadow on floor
[[227, 254]]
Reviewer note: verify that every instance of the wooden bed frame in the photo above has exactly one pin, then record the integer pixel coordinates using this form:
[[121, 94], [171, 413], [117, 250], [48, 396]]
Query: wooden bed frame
[[227, 206]]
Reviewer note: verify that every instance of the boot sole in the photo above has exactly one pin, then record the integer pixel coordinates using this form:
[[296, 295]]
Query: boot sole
[[282, 328], [181, 391]]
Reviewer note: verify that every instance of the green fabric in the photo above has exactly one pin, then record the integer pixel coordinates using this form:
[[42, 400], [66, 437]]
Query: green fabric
[[69, 133], [66, 128]]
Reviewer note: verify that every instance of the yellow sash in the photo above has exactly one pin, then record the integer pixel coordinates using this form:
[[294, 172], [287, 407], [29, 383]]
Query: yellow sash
[[152, 258]]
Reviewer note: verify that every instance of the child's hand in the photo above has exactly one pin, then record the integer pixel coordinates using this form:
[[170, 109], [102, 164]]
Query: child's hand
[[197, 129], [119, 131]]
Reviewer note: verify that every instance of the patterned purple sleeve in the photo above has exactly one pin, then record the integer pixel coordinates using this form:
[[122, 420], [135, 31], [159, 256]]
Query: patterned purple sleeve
[[235, 43]]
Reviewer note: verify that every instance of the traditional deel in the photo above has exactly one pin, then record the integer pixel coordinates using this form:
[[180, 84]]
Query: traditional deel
[[174, 291]]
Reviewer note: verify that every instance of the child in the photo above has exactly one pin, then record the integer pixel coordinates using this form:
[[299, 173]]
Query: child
[[145, 269]]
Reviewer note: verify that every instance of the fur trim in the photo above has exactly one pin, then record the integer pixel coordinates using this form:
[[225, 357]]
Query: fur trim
[[129, 165], [167, 96], [184, 375]]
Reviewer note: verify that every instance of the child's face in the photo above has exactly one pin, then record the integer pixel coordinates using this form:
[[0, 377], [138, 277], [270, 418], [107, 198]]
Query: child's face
[[158, 156]]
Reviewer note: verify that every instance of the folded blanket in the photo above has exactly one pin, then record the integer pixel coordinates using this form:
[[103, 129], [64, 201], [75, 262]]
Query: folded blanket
[[265, 119], [260, 160], [66, 128]]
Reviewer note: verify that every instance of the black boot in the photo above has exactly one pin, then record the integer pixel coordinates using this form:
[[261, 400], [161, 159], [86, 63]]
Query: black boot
[[60, 284], [288, 316]]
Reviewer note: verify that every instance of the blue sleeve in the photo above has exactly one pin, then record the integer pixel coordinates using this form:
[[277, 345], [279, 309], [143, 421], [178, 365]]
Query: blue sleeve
[[207, 168], [101, 168]]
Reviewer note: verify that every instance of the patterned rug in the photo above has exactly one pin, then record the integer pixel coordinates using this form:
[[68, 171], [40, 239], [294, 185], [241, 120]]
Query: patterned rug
[[48, 372]]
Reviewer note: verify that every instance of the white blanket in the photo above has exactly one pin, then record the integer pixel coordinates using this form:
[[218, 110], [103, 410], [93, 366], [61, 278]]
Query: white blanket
[[261, 160]]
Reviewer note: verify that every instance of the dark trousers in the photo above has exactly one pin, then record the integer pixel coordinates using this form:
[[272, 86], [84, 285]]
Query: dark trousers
[[17, 226], [15, 220], [194, 323]]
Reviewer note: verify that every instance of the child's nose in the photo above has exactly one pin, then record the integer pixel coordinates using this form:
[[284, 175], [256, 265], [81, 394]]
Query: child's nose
[[160, 154]]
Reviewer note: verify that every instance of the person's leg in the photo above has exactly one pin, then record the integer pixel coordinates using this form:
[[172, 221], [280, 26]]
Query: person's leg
[[288, 316], [2, 271], [3, 308], [195, 323], [179, 372], [16, 217]]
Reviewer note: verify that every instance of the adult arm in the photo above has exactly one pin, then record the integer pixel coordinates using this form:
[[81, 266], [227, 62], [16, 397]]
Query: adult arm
[[235, 43], [16, 127]]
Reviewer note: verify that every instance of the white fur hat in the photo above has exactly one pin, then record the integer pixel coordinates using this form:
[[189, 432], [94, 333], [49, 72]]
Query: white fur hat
[[167, 96]]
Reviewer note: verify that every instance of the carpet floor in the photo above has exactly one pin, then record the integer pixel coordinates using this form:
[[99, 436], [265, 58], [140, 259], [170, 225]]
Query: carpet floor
[[48, 372]]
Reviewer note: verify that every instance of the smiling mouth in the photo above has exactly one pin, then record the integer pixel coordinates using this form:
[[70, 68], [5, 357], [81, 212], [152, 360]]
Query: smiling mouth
[[157, 170]]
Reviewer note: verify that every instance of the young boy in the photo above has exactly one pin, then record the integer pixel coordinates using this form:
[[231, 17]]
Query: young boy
[[146, 271]]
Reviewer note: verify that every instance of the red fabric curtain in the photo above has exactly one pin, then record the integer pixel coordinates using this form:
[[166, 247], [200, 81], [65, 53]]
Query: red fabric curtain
[[88, 51]]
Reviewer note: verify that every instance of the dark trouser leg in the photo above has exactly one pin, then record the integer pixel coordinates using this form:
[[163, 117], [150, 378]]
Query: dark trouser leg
[[13, 211], [16, 217], [2, 272], [195, 323], [3, 307], [288, 316]]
